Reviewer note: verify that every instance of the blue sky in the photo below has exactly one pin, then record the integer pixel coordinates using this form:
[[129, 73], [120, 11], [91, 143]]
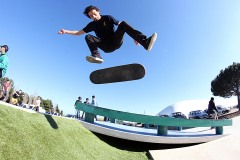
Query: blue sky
[[196, 39]]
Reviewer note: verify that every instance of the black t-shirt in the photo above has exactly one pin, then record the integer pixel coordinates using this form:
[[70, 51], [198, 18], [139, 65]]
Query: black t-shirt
[[103, 28], [78, 101]]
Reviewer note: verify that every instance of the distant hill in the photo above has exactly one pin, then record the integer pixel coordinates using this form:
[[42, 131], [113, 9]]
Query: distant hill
[[30, 136]]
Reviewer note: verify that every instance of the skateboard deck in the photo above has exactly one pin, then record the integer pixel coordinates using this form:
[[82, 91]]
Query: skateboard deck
[[122, 73], [92, 60]]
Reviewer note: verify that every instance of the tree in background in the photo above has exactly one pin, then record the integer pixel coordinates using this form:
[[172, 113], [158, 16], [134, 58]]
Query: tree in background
[[47, 104], [227, 83], [57, 109], [31, 100], [26, 98]]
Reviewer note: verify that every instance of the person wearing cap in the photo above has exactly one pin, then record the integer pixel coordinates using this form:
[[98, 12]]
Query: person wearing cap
[[3, 60]]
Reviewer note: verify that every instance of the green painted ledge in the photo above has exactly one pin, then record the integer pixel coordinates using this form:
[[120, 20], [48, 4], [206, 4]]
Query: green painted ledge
[[161, 122]]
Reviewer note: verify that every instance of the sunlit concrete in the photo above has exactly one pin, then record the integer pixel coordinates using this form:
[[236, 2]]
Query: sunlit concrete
[[224, 148]]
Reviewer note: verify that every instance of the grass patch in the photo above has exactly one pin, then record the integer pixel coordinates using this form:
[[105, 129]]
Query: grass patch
[[26, 135]]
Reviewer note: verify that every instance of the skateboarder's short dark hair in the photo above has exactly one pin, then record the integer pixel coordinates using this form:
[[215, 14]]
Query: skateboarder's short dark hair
[[88, 9]]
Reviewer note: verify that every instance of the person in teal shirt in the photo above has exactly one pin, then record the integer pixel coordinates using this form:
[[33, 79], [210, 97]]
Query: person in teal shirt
[[3, 60]]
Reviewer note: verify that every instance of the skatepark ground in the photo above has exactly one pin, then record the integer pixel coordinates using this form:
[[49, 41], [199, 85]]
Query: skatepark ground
[[227, 147], [224, 148]]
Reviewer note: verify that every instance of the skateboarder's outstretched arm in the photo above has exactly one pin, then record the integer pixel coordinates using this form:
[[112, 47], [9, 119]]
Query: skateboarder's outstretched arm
[[77, 33]]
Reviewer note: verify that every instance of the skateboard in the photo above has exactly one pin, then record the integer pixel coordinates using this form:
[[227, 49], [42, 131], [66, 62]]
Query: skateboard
[[121, 73]]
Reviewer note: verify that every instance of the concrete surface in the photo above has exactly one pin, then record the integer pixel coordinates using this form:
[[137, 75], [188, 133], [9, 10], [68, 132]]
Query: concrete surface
[[224, 148], [190, 136]]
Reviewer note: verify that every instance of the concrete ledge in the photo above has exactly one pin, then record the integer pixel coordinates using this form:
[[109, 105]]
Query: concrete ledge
[[191, 136], [162, 122]]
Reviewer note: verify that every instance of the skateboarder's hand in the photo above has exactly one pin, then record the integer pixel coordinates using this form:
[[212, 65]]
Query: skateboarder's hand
[[62, 31], [136, 42]]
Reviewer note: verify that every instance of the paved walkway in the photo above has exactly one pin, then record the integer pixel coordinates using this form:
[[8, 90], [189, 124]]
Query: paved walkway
[[221, 149]]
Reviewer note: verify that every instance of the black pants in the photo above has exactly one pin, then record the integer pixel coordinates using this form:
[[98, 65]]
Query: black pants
[[114, 42], [0, 72]]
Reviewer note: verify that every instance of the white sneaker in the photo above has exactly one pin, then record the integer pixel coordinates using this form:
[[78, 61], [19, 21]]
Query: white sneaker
[[152, 41], [92, 59]]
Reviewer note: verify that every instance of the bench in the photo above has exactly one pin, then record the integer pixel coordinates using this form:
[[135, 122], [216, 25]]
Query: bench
[[162, 123]]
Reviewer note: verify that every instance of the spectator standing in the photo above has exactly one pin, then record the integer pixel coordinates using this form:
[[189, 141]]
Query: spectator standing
[[3, 60], [212, 110], [37, 103], [7, 85], [79, 100], [94, 103], [86, 102]]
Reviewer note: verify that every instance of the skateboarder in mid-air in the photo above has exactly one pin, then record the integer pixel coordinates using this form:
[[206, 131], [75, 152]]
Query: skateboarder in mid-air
[[107, 38]]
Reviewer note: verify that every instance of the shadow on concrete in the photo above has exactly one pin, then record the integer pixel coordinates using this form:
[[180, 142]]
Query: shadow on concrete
[[137, 146], [134, 146]]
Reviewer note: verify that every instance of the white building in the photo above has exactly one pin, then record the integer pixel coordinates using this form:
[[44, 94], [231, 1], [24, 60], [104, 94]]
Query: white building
[[191, 105]]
